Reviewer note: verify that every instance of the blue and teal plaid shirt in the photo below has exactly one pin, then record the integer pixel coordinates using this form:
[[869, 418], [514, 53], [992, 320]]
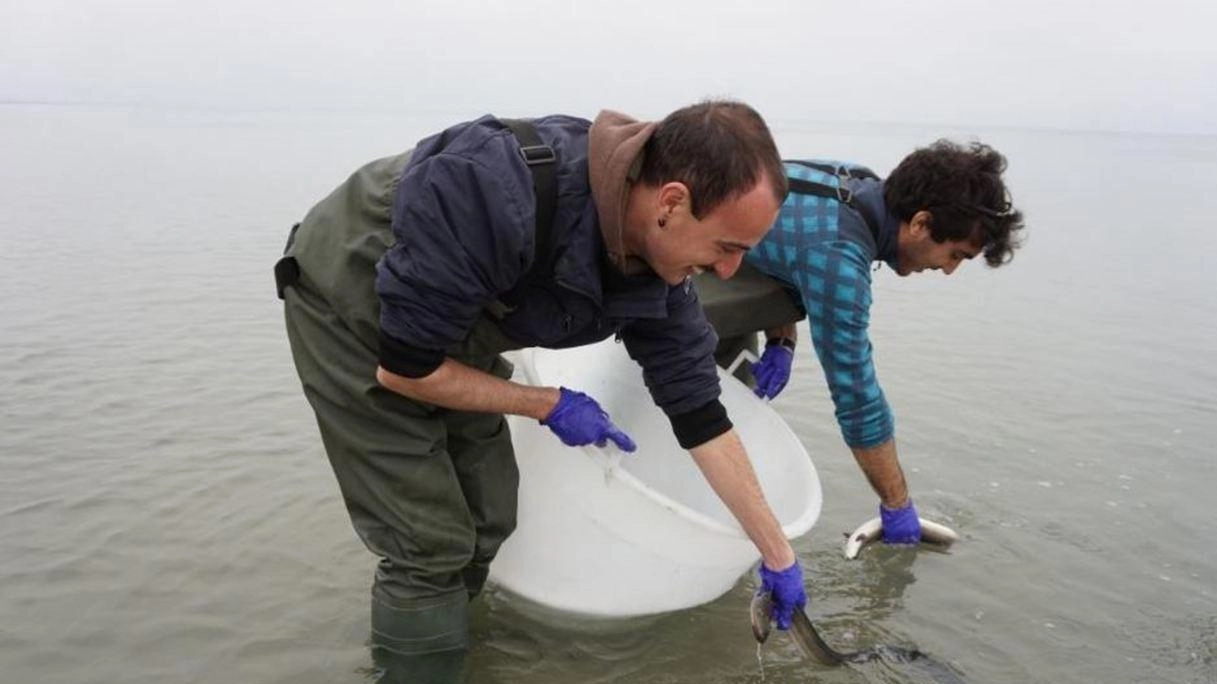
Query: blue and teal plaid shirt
[[824, 249]]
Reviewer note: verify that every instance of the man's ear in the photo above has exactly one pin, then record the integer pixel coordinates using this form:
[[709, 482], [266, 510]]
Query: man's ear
[[672, 197], [919, 225]]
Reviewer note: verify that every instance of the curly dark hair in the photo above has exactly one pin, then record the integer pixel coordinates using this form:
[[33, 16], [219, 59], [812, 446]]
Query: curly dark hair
[[962, 189], [718, 148]]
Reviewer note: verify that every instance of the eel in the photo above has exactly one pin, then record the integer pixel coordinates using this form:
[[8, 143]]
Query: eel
[[809, 641], [869, 531]]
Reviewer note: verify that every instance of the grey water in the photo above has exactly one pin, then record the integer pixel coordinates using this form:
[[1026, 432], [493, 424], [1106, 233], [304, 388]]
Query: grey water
[[167, 513]]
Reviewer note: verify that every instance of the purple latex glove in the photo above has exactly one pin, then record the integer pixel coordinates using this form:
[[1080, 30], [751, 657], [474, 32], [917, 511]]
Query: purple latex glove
[[772, 371], [787, 590], [900, 525], [578, 420]]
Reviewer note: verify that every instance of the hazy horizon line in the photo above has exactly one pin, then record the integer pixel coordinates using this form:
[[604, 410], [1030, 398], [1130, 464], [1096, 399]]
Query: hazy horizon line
[[776, 122]]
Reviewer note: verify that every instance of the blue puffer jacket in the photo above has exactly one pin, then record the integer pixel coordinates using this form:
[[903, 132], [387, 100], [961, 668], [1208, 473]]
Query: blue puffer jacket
[[464, 220]]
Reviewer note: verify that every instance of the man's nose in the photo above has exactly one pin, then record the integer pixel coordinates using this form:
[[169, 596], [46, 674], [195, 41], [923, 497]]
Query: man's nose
[[950, 268], [726, 267]]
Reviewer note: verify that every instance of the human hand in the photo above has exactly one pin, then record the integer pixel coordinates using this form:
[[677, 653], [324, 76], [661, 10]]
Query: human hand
[[772, 371], [900, 525], [786, 588], [578, 420]]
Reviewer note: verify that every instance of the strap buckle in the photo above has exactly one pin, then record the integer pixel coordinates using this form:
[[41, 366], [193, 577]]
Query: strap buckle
[[535, 155], [843, 194]]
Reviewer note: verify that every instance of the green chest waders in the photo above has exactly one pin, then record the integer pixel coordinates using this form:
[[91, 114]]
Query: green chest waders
[[737, 308], [429, 490]]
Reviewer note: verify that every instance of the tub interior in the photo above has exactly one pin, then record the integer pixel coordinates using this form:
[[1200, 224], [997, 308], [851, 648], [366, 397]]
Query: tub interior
[[606, 373]]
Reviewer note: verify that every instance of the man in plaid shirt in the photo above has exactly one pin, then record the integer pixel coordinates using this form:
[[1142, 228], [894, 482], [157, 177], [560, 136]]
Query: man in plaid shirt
[[942, 205]]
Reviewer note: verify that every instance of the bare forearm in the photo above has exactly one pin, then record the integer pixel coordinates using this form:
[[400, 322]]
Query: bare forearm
[[882, 469], [457, 386], [725, 465]]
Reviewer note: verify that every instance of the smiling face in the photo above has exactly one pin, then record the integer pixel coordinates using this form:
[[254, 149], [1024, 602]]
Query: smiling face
[[677, 244], [916, 250]]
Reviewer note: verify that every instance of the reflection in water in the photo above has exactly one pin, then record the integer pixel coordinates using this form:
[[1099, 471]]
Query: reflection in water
[[876, 657], [518, 640], [886, 573]]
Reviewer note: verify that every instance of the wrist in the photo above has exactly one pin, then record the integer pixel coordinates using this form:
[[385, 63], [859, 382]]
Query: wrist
[[896, 504], [787, 342], [545, 402], [891, 514], [780, 561]]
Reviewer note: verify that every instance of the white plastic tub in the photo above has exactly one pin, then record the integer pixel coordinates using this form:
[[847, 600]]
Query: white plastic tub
[[612, 534]]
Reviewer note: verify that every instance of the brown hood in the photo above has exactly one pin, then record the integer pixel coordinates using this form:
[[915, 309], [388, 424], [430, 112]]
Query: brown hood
[[614, 157]]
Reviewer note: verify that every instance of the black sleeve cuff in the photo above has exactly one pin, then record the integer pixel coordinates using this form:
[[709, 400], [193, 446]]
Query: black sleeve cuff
[[701, 424], [406, 360]]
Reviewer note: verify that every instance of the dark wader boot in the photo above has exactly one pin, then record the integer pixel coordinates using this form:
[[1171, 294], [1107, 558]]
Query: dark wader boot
[[431, 491], [740, 307]]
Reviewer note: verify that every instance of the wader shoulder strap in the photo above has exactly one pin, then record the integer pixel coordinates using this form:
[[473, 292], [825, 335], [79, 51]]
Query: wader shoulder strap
[[836, 169], [542, 163], [840, 193]]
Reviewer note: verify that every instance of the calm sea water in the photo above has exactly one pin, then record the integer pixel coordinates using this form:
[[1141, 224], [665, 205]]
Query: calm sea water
[[167, 513]]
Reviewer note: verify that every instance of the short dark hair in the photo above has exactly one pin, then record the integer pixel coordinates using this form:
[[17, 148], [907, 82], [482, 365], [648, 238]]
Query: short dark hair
[[962, 188], [718, 148]]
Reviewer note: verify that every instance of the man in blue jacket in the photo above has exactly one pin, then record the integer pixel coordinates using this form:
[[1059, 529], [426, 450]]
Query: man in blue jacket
[[402, 287], [941, 206]]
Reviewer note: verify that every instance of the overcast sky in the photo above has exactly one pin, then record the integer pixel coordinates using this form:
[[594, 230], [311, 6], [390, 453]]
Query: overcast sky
[[1138, 66]]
